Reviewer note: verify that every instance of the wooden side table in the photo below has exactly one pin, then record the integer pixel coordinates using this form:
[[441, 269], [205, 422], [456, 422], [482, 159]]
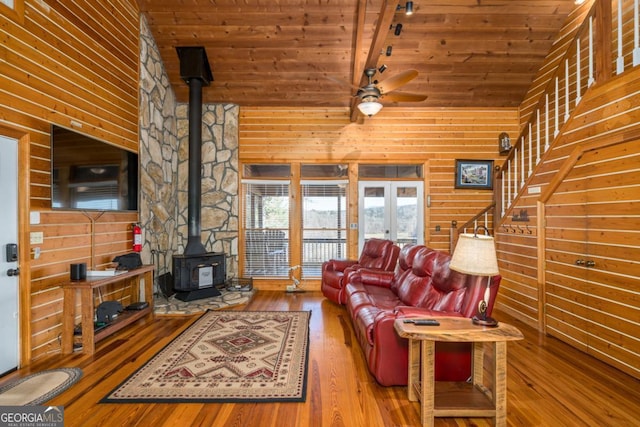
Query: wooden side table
[[451, 399], [87, 306]]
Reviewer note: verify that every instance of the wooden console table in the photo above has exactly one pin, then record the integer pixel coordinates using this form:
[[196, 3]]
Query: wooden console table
[[87, 306], [452, 399]]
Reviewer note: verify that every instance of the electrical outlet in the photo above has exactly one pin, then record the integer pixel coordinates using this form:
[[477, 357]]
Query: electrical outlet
[[534, 190]]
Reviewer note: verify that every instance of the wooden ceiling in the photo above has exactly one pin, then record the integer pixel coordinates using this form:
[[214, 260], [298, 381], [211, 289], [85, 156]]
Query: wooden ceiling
[[296, 53]]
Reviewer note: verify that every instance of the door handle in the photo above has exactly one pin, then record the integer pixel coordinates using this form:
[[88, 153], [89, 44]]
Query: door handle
[[579, 262], [590, 263], [13, 272]]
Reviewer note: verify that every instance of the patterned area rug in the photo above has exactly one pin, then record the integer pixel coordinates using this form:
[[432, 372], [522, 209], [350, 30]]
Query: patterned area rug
[[164, 306], [38, 388], [227, 356]]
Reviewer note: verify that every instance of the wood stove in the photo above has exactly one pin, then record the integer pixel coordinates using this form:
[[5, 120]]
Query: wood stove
[[197, 272], [197, 276]]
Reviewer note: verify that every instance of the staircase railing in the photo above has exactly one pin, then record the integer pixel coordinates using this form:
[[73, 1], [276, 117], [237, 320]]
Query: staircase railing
[[484, 218], [588, 60], [591, 58], [607, 42]]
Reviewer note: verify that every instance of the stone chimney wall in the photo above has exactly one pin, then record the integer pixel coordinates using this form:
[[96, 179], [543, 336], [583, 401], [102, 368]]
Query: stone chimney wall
[[163, 154], [220, 201]]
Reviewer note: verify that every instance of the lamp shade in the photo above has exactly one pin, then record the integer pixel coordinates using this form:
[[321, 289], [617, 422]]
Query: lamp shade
[[370, 108], [475, 254]]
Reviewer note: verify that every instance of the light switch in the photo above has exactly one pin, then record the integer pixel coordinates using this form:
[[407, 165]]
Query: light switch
[[34, 217], [36, 237]]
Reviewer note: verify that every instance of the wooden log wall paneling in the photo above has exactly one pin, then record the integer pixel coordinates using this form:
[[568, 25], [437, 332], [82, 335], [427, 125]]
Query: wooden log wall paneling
[[75, 64], [66, 65], [71, 237], [594, 217], [435, 137], [583, 205]]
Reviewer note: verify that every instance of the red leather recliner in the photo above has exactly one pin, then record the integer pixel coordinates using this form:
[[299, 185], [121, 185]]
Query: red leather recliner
[[376, 254], [421, 286]]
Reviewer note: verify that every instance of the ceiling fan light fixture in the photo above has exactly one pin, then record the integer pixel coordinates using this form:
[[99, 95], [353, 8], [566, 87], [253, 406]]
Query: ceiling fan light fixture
[[370, 107]]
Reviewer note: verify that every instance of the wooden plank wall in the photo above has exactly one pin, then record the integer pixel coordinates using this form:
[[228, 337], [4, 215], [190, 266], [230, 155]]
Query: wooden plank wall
[[433, 137], [517, 241], [608, 114], [75, 64], [589, 217], [594, 217]]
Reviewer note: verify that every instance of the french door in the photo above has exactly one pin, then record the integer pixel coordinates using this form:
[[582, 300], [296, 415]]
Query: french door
[[392, 210]]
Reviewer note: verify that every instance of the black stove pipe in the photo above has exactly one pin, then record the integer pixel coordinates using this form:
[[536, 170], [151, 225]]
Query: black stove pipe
[[194, 196], [195, 71]]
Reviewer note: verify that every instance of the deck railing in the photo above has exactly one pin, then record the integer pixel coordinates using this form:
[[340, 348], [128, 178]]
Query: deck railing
[[315, 251]]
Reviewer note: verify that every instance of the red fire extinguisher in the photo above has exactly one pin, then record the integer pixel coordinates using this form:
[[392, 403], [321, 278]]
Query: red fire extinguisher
[[137, 237]]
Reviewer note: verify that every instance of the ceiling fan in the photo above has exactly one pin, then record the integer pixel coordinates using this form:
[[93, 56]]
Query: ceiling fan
[[373, 91]]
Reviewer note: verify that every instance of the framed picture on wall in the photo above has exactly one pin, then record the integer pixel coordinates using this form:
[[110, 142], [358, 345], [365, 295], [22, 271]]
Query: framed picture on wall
[[476, 174]]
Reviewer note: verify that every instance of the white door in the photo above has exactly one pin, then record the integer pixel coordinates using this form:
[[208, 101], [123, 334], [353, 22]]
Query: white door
[[8, 266], [392, 210]]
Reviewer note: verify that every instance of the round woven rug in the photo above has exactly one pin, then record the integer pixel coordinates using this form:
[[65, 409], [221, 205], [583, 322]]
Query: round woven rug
[[38, 388], [227, 299]]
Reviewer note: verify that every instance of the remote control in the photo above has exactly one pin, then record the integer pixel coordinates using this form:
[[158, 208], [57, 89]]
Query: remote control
[[426, 322], [422, 322]]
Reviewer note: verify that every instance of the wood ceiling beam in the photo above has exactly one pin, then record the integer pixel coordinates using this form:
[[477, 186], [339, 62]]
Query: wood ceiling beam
[[387, 12], [358, 56]]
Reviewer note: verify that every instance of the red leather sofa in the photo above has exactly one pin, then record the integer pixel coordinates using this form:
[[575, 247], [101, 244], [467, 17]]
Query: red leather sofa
[[422, 285], [376, 254]]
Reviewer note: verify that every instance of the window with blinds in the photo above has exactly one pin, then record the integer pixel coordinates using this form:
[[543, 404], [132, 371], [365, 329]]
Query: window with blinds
[[266, 225], [324, 223]]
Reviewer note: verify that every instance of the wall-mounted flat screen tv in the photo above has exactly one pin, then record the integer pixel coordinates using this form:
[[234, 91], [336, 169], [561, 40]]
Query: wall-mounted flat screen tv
[[89, 174]]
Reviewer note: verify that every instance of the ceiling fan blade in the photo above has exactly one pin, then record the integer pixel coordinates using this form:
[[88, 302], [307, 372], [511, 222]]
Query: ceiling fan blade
[[394, 82], [404, 97]]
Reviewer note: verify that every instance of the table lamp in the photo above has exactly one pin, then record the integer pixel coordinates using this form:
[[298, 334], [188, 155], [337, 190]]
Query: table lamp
[[476, 255]]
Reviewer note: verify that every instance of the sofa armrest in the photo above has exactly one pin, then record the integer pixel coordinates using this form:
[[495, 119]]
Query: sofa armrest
[[452, 359], [338, 264], [370, 277]]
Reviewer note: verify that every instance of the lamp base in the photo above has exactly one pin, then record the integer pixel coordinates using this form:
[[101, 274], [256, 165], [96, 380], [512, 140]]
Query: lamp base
[[488, 321]]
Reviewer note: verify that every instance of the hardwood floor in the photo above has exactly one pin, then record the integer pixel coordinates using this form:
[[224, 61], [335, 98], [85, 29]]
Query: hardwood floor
[[549, 383]]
